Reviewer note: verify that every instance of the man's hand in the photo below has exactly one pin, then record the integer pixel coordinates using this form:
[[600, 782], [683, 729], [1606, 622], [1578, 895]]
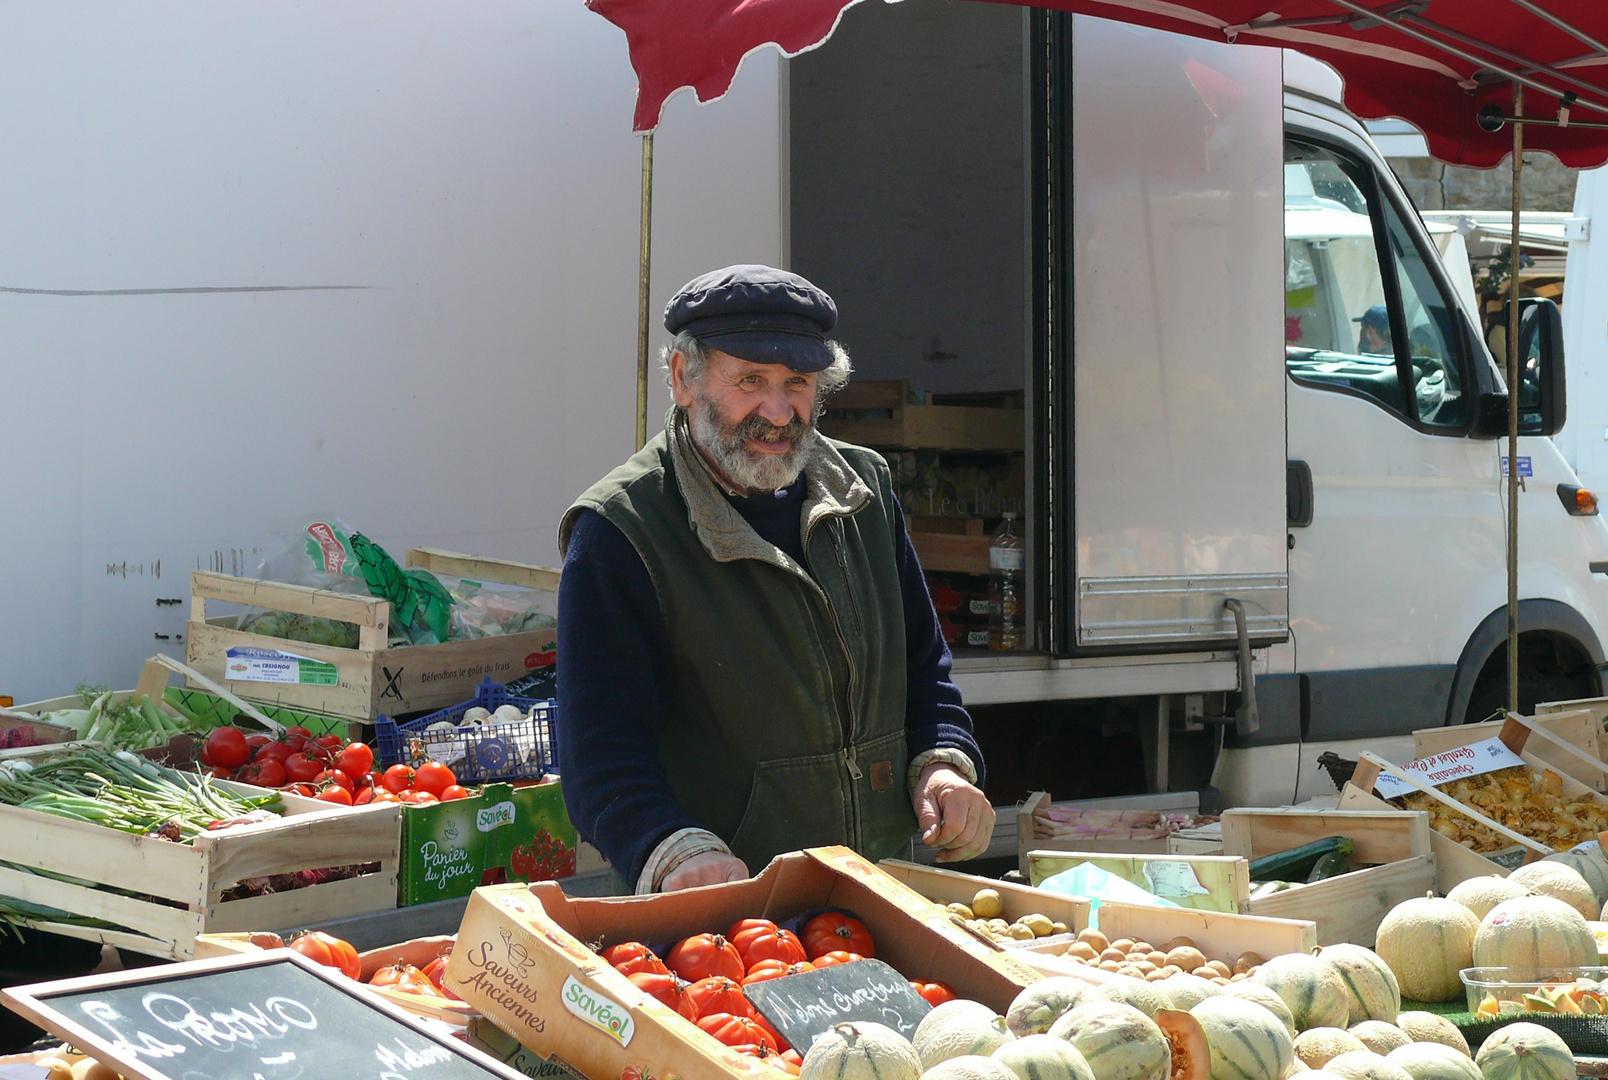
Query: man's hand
[[954, 816], [708, 868]]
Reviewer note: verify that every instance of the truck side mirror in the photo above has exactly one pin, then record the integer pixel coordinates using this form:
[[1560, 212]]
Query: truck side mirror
[[1541, 383]]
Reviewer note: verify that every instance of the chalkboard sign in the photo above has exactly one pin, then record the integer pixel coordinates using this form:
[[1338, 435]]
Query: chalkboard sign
[[804, 1005], [266, 1016]]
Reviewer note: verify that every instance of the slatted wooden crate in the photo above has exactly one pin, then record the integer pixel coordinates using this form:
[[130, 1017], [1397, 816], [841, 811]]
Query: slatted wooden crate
[[878, 412], [371, 678], [179, 887]]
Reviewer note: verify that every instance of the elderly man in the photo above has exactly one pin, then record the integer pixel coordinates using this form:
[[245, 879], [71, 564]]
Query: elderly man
[[751, 663]]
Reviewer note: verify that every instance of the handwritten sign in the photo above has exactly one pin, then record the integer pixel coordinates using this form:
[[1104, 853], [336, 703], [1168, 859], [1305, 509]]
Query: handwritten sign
[[1476, 759], [267, 1016], [802, 1006]]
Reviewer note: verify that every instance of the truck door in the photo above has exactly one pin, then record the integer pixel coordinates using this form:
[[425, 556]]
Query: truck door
[[1404, 510]]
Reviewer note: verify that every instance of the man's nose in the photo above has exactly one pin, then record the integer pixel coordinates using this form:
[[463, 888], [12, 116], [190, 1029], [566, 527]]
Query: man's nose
[[776, 408]]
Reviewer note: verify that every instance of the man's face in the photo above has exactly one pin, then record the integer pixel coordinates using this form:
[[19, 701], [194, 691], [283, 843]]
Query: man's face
[[755, 422]]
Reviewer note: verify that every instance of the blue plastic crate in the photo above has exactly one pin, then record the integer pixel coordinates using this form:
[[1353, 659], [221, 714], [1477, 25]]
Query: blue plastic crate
[[476, 753]]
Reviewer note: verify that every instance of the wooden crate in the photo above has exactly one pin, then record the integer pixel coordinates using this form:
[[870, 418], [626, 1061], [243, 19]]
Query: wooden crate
[[1454, 862], [949, 887], [1187, 802], [372, 678], [1349, 907], [953, 545], [1225, 878], [180, 885], [1579, 726], [878, 412]]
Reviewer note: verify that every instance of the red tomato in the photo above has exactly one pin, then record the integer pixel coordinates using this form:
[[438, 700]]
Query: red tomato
[[274, 751], [355, 759], [381, 795], [735, 935], [632, 956], [775, 1061], [770, 1029], [662, 985], [331, 951], [364, 797], [296, 737], [218, 772], [304, 790], [433, 777], [774, 969], [302, 769], [257, 742], [736, 1030], [338, 795], [933, 993], [398, 778], [760, 945], [839, 957], [405, 977], [455, 791], [226, 747], [418, 798], [705, 955], [339, 779], [834, 931], [436, 971], [268, 773], [716, 995]]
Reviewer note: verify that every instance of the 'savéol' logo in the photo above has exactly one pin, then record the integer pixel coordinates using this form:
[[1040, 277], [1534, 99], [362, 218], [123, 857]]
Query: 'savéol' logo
[[494, 817], [608, 1016]]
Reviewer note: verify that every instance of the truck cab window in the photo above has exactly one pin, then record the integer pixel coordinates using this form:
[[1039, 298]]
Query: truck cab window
[[1350, 325]]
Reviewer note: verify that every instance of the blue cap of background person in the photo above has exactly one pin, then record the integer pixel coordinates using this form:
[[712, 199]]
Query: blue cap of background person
[[1377, 317], [756, 313]]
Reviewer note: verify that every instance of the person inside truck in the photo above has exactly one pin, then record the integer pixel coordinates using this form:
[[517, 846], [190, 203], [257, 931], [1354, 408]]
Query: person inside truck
[[751, 660], [1373, 337]]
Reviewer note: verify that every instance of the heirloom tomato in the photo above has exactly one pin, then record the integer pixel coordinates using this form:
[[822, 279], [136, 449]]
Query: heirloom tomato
[[736, 1030], [775, 969], [715, 995], [629, 957], [834, 931], [328, 950], [933, 993], [831, 959], [669, 990], [704, 955]]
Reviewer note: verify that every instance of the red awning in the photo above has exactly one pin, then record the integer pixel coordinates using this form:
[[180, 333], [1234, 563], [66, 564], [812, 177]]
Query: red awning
[[1434, 63]]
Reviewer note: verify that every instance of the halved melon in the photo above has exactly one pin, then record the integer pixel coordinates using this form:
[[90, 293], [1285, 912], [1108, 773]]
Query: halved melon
[[1191, 1054]]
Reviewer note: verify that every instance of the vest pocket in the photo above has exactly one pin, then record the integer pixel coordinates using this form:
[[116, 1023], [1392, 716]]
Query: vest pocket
[[793, 803]]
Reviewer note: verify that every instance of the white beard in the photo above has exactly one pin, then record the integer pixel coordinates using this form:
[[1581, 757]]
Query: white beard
[[726, 445]]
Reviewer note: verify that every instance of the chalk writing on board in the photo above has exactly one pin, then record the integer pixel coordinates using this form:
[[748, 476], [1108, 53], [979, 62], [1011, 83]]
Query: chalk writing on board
[[802, 1006]]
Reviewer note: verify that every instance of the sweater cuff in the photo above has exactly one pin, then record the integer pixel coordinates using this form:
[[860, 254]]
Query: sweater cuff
[[674, 850], [944, 756]]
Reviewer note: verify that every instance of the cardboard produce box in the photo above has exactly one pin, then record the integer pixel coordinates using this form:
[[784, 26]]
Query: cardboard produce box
[[523, 959], [1455, 862], [502, 834]]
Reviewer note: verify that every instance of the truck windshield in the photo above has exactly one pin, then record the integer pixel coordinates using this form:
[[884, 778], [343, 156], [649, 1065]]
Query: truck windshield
[[1351, 323]]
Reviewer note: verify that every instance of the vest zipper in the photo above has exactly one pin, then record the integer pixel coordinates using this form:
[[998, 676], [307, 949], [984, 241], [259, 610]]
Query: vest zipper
[[848, 656]]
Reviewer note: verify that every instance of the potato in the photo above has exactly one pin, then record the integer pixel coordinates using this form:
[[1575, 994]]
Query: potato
[[1112, 954], [90, 1069], [1157, 957], [1170, 970], [1062, 928], [962, 910], [1110, 965], [1082, 950], [1186, 957], [987, 903], [1125, 944], [1178, 942], [1098, 940], [1018, 932], [1040, 925], [60, 1068], [1245, 962], [1145, 967]]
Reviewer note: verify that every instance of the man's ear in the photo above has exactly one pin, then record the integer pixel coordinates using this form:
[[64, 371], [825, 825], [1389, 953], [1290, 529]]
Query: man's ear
[[680, 391]]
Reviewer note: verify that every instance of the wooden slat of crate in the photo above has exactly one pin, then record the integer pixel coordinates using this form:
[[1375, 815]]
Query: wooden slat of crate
[[542, 578], [1351, 907], [872, 394], [956, 554], [1581, 726], [1027, 840], [159, 922], [935, 427], [97, 853], [1379, 836], [1225, 878], [949, 887], [1219, 934], [335, 837]]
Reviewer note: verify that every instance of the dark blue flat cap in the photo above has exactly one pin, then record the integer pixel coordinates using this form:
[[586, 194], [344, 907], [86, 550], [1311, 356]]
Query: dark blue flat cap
[[756, 313]]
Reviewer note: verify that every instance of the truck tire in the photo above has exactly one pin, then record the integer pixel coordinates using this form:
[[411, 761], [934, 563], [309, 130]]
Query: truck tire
[[1559, 659], [1490, 695]]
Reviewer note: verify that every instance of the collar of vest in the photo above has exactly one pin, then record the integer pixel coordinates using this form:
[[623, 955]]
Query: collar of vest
[[832, 489]]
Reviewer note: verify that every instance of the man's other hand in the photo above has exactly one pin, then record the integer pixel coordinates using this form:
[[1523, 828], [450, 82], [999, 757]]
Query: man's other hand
[[954, 816], [708, 868]]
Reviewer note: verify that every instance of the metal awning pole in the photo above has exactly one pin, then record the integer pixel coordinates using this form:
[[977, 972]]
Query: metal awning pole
[[1513, 412], [642, 290]]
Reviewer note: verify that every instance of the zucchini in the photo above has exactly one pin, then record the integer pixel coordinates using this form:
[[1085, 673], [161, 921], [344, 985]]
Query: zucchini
[[1334, 864], [1297, 862]]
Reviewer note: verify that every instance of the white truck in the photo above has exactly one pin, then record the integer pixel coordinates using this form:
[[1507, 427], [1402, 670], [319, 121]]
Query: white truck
[[380, 261]]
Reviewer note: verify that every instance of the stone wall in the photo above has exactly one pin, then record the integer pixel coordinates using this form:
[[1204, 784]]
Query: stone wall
[[1546, 184]]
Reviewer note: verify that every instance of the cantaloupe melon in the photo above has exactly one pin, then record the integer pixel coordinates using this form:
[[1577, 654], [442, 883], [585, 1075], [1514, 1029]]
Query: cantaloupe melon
[[1371, 989], [1118, 1041], [1191, 1054], [1311, 988], [1316, 1046], [1433, 1061], [1185, 991], [1561, 882], [1588, 861], [1481, 894], [1425, 942], [1140, 994], [969, 1067], [1533, 932], [1524, 1051], [957, 1028], [1427, 1027], [1247, 1041], [1044, 1002], [1043, 1057], [1297, 1066], [1366, 1065], [1266, 997], [860, 1050], [1378, 1036]]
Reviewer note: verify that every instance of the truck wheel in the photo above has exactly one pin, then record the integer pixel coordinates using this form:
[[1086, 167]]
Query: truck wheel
[[1566, 682]]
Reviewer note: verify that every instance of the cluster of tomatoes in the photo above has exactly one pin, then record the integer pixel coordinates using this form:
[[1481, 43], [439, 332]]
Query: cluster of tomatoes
[[702, 977], [332, 952], [324, 767]]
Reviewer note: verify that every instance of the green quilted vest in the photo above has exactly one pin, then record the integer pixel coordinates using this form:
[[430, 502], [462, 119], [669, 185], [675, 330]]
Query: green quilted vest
[[785, 718]]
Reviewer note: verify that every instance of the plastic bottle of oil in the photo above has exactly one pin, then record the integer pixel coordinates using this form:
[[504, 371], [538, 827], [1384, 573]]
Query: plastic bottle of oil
[[1007, 559]]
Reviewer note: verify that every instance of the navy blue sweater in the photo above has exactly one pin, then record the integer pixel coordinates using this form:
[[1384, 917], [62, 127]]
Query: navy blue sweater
[[615, 663]]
